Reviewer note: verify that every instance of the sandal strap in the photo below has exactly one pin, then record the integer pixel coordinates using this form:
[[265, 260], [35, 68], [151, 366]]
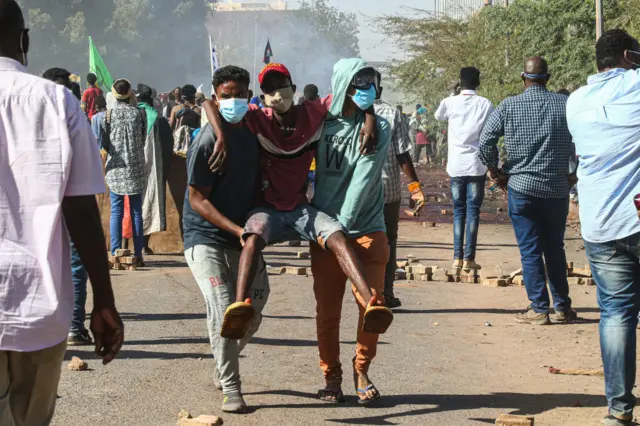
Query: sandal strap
[[368, 388]]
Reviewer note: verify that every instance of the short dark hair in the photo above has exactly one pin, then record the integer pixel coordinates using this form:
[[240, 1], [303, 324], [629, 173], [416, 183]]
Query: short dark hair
[[11, 17], [311, 89], [56, 74], [100, 102], [92, 78], [145, 94], [188, 92], [122, 87], [470, 77], [611, 46], [231, 73]]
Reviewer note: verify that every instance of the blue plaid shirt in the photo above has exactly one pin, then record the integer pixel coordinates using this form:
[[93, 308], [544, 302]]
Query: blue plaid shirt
[[537, 141]]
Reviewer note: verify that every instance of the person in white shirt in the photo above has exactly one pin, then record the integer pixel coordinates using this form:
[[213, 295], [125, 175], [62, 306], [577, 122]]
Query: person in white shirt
[[466, 113], [50, 171]]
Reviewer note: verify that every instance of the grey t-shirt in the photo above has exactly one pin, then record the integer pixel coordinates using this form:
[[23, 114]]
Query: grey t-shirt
[[232, 193]]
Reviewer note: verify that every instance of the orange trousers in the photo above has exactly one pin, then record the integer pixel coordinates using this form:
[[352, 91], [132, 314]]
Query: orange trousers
[[329, 284]]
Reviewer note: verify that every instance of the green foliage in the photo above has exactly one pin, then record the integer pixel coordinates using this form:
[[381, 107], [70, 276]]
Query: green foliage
[[497, 40]]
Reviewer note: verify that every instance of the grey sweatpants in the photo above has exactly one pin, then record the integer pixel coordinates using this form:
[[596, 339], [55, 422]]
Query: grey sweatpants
[[215, 268]]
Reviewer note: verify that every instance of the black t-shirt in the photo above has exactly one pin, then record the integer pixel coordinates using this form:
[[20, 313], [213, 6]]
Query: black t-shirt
[[232, 193]]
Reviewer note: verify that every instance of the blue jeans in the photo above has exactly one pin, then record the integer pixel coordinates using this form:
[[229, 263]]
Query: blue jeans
[[468, 194], [616, 271], [117, 213], [539, 225], [79, 277]]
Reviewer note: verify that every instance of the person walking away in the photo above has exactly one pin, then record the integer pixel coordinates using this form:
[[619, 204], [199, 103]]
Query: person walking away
[[538, 145], [89, 96], [48, 188], [215, 213], [158, 149], [78, 334], [349, 187], [125, 132], [608, 181], [186, 113], [418, 124], [398, 157], [466, 113], [96, 121]]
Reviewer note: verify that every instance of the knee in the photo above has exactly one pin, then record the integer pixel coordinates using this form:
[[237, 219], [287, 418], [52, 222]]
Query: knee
[[336, 240]]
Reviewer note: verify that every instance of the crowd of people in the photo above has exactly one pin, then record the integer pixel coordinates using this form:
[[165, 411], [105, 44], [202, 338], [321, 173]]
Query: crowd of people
[[265, 169]]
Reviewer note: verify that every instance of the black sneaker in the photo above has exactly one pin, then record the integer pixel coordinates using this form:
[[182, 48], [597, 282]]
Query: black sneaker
[[79, 339], [392, 302]]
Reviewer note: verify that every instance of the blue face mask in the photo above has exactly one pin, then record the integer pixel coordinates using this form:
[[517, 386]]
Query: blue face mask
[[365, 98], [233, 110]]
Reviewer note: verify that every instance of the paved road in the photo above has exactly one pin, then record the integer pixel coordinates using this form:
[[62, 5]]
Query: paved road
[[438, 365]]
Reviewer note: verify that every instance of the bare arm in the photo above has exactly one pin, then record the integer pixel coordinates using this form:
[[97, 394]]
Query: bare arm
[[172, 119], [198, 197], [82, 217], [406, 164], [368, 133], [216, 160]]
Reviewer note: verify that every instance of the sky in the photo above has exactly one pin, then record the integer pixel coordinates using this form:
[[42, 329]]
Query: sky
[[373, 46]]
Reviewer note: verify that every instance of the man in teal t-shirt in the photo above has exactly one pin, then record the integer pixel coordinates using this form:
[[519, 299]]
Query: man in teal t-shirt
[[349, 187]]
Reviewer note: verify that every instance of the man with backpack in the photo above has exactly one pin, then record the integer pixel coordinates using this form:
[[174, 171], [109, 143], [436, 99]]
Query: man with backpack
[[186, 113], [185, 119]]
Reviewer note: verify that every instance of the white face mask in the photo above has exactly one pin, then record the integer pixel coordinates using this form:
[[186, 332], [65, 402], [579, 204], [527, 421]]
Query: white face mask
[[25, 60], [281, 100]]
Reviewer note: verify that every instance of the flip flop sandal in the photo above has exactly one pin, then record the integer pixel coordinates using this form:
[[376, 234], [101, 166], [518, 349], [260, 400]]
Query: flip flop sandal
[[366, 401], [377, 319], [325, 394], [363, 401], [237, 320]]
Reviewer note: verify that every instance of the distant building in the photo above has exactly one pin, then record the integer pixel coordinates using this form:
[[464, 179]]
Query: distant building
[[462, 9], [243, 6]]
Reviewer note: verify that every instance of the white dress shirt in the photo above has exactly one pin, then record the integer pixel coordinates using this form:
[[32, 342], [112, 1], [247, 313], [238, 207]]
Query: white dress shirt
[[466, 113], [47, 152]]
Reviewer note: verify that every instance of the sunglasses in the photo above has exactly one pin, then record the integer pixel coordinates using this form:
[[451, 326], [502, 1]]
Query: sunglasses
[[633, 57], [364, 81]]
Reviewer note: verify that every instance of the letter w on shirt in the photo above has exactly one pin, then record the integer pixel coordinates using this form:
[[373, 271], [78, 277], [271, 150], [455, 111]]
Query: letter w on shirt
[[333, 152]]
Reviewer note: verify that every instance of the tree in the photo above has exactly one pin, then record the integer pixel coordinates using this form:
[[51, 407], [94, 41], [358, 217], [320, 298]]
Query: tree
[[338, 27], [497, 40], [161, 43]]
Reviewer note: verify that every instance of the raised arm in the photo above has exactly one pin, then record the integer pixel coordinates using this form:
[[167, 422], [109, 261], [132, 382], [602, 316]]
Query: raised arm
[[368, 136], [216, 161]]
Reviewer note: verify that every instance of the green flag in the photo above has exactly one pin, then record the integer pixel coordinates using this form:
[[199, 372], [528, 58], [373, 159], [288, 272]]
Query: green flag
[[97, 66]]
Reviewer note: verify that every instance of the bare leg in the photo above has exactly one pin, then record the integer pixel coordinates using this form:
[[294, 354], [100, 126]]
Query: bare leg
[[249, 260], [348, 261]]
